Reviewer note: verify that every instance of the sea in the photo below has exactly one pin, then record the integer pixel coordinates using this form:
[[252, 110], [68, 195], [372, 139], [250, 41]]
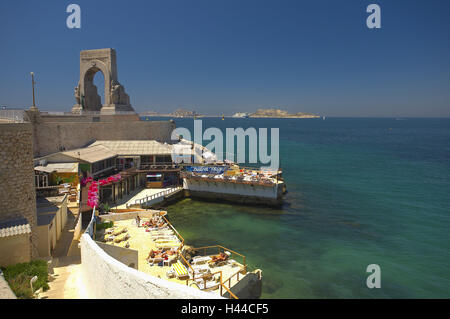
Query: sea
[[361, 191]]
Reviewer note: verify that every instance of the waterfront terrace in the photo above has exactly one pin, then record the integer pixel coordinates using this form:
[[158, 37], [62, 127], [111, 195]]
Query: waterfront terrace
[[147, 241]]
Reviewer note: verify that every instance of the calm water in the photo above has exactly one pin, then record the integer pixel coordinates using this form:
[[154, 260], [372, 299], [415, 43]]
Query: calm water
[[361, 191]]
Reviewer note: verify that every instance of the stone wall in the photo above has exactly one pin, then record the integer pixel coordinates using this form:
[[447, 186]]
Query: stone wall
[[15, 249], [128, 257], [233, 192], [53, 136], [17, 193]]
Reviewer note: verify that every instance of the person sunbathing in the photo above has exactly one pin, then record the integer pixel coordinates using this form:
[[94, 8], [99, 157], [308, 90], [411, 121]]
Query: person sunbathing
[[171, 252], [218, 258], [153, 253]]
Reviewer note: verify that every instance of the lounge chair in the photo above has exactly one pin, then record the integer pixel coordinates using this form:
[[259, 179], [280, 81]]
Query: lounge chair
[[200, 259], [167, 245], [162, 235], [121, 237], [167, 240], [170, 260], [153, 261], [180, 270], [206, 285], [109, 237], [119, 230]]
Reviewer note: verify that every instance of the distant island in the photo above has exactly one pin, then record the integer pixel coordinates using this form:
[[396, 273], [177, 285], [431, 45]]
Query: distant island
[[277, 113], [177, 113], [260, 113]]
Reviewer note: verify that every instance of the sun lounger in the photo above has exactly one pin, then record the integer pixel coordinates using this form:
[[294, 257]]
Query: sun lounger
[[167, 245], [206, 285], [199, 271], [109, 237], [180, 270], [152, 261], [157, 228], [232, 262], [119, 230], [169, 261], [162, 235], [167, 240], [201, 268], [200, 259], [121, 237]]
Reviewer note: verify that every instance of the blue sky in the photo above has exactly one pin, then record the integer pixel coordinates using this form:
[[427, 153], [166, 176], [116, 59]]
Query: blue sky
[[217, 56]]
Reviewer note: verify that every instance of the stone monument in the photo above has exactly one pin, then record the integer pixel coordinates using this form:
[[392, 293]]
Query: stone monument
[[86, 96]]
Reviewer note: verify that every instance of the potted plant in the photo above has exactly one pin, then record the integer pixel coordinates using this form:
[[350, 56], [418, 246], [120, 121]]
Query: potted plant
[[105, 207]]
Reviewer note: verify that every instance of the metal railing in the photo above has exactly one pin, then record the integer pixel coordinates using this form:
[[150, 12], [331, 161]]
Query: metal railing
[[179, 237], [219, 250], [158, 166], [221, 283], [17, 116], [143, 201]]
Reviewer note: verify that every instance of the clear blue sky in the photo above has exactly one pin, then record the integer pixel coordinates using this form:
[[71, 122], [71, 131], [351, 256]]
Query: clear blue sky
[[219, 56]]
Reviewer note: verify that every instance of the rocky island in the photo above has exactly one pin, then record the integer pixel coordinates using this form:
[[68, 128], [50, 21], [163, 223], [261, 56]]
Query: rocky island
[[277, 113], [176, 113]]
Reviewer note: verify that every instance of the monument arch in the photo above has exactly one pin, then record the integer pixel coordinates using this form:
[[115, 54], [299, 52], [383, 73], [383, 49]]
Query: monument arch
[[86, 93]]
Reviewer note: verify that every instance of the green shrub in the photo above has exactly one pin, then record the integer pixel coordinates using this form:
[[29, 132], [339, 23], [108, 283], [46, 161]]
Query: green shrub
[[18, 277], [104, 225]]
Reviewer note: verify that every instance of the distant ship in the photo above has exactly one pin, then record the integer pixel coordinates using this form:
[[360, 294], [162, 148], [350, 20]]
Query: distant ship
[[241, 115]]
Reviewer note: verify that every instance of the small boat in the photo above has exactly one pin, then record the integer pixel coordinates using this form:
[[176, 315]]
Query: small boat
[[223, 117]]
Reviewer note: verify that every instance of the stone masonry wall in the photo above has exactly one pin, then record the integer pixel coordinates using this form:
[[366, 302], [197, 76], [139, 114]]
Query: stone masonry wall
[[17, 192], [51, 137]]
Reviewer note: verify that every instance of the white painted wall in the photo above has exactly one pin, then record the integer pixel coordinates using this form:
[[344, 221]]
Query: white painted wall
[[105, 277], [230, 188]]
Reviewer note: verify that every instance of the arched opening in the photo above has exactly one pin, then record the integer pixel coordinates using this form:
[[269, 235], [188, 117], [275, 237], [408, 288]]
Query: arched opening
[[92, 100], [99, 82]]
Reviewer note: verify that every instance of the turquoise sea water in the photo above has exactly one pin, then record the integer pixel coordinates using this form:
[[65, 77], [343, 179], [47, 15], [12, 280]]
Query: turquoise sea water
[[360, 192]]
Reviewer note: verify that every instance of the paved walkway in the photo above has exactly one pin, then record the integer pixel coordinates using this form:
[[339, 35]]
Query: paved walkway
[[138, 194], [65, 241], [5, 291], [65, 282]]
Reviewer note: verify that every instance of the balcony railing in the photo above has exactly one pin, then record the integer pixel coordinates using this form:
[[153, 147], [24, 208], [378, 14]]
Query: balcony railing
[[17, 116], [159, 166], [169, 191]]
